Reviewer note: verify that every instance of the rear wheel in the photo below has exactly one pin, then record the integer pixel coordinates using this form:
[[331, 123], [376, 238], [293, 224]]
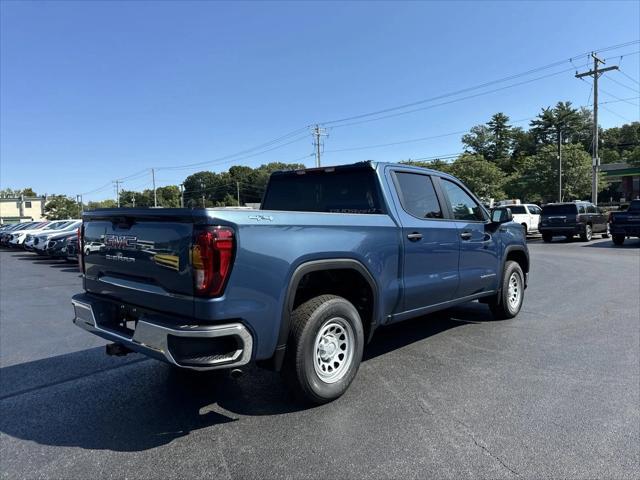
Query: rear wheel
[[587, 235], [618, 239], [508, 302], [324, 349], [547, 237]]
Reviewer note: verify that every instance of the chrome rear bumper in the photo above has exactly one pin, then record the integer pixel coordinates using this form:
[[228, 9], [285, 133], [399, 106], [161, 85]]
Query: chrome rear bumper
[[154, 340]]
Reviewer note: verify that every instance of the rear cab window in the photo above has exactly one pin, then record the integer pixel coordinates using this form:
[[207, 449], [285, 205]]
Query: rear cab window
[[330, 190]]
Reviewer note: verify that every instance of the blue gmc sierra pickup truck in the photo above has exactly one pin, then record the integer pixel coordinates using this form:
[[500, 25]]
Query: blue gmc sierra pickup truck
[[301, 285]]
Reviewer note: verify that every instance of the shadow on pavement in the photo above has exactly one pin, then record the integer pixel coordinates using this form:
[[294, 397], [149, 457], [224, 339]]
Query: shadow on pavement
[[92, 401], [628, 243]]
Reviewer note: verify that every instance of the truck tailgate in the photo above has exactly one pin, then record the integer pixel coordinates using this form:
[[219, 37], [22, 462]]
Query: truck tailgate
[[140, 257]]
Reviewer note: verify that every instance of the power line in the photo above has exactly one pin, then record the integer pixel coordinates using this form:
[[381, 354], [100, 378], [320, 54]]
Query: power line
[[628, 76], [617, 114], [622, 84], [428, 107], [223, 160]]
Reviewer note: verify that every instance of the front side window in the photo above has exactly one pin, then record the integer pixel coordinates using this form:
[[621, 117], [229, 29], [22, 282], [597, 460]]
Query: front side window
[[462, 205], [591, 209], [417, 195]]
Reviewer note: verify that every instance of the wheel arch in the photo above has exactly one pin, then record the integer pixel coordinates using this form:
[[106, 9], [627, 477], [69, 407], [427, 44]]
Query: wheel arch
[[320, 267]]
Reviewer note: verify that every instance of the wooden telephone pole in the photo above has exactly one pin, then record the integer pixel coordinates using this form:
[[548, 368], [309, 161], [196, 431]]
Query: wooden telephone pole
[[595, 73]]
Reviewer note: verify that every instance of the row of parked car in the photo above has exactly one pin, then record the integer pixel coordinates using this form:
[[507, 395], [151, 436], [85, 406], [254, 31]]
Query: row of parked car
[[57, 239], [580, 218]]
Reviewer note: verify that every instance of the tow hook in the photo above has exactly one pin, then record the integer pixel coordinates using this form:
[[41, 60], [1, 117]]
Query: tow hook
[[117, 350]]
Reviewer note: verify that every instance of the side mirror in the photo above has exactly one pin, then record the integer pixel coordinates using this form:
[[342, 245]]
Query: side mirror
[[501, 215]]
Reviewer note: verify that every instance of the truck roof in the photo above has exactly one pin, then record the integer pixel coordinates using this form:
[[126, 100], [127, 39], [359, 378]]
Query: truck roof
[[368, 164]]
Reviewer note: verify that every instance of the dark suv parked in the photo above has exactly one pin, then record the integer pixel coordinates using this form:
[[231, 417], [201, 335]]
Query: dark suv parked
[[569, 219]]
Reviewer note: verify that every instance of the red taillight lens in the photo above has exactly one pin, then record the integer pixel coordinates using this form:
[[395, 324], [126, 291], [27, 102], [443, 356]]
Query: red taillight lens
[[211, 260]]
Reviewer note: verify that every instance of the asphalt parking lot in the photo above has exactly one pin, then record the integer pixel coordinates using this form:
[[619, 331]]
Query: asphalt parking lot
[[554, 393]]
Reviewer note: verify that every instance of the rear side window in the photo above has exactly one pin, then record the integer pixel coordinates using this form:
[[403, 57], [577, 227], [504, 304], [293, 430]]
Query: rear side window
[[417, 195], [338, 191], [516, 209], [462, 205], [591, 209], [565, 209]]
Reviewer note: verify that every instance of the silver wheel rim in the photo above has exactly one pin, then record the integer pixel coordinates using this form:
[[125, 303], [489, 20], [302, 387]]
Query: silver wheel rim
[[514, 292], [333, 350], [588, 232]]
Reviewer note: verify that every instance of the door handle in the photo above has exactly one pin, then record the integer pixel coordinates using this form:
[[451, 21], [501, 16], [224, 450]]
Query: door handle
[[465, 235], [415, 236]]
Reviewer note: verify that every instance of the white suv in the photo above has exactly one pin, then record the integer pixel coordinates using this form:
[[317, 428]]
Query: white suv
[[526, 214]]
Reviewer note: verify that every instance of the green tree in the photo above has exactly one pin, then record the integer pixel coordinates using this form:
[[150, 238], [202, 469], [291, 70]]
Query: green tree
[[484, 178], [102, 204], [29, 192], [60, 207], [537, 179], [575, 125]]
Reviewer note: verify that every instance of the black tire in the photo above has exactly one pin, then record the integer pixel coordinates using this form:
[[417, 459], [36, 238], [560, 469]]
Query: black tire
[[587, 235], [300, 370], [547, 237], [500, 306], [617, 239]]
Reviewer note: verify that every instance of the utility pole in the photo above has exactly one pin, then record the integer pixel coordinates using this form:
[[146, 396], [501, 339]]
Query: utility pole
[[238, 191], [117, 184], [133, 200], [595, 73], [317, 141], [182, 195], [559, 165], [202, 187], [153, 178], [79, 201]]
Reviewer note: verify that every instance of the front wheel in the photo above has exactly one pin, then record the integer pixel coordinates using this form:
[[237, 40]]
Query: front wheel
[[587, 234], [547, 237], [508, 302], [324, 349]]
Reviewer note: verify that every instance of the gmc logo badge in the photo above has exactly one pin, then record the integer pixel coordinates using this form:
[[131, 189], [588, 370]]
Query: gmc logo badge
[[121, 241]]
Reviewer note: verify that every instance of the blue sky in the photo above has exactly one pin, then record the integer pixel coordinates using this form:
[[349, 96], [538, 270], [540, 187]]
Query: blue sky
[[94, 91]]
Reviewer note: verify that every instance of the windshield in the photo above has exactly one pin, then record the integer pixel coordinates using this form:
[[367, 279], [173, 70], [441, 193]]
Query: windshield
[[561, 209], [56, 225]]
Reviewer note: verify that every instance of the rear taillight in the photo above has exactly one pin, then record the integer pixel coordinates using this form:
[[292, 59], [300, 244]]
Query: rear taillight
[[80, 249], [211, 260], [578, 218], [610, 218]]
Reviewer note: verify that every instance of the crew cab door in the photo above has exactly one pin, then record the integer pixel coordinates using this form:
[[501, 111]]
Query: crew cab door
[[479, 243], [431, 243]]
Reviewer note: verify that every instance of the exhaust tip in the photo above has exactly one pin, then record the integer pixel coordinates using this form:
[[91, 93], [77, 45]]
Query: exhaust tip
[[117, 350], [236, 373]]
